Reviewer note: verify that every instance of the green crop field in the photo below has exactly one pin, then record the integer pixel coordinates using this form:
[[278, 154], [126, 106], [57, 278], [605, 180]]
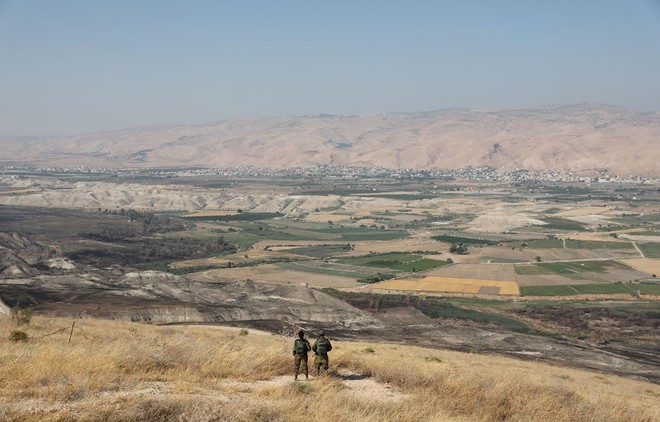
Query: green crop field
[[553, 210], [406, 196], [495, 260], [561, 290], [637, 219], [245, 216], [595, 289], [293, 230], [531, 270], [465, 240], [570, 268], [591, 289], [545, 244], [395, 261], [266, 232], [558, 223], [650, 250], [647, 289], [646, 233], [321, 251], [362, 233], [589, 244]]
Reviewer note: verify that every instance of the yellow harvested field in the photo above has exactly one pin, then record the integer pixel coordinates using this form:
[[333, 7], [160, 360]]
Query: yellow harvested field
[[646, 265], [582, 211], [449, 284]]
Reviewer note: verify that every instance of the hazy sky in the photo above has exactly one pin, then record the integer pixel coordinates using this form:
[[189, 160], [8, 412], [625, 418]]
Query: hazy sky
[[73, 66]]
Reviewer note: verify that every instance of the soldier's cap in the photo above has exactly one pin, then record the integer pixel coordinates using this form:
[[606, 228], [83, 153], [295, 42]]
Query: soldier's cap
[[301, 333], [322, 333]]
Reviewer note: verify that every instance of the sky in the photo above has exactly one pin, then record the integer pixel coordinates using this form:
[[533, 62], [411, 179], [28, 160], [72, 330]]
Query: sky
[[79, 66]]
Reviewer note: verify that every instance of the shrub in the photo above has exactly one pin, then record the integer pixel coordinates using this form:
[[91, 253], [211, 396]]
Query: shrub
[[18, 335], [243, 332], [21, 315]]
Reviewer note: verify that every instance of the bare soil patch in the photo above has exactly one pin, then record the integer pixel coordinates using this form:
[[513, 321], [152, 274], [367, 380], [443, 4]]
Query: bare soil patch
[[503, 272], [271, 273]]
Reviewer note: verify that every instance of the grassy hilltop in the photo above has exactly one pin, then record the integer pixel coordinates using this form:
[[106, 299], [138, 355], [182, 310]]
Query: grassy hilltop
[[119, 371]]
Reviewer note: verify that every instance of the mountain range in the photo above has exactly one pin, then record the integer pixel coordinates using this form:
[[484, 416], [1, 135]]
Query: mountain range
[[581, 138]]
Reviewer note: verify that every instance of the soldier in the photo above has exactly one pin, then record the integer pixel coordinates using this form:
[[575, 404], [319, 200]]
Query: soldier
[[300, 348], [321, 347]]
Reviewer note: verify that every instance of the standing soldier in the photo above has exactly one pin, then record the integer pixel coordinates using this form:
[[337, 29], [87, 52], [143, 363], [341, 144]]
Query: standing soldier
[[321, 347], [300, 348]]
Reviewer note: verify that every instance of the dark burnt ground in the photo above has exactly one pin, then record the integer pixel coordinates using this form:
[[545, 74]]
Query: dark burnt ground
[[104, 238]]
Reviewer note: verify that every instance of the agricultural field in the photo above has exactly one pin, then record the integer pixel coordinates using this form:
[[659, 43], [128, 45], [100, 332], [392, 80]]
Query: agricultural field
[[318, 251], [450, 285], [274, 273], [350, 228], [398, 233], [575, 272], [395, 261], [646, 265], [591, 289], [650, 250], [239, 259], [495, 272]]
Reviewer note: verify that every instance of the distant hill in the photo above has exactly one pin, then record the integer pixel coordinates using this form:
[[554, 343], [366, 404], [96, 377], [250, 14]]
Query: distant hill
[[582, 138]]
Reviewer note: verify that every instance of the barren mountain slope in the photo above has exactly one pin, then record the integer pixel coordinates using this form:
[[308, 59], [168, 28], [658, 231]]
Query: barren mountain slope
[[577, 138]]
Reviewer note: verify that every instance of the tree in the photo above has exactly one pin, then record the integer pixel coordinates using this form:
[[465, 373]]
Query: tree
[[459, 249]]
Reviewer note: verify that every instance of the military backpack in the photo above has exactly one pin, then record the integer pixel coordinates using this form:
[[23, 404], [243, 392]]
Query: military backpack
[[323, 347], [301, 347]]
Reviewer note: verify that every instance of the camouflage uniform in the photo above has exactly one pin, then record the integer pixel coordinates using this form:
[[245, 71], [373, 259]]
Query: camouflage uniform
[[321, 347], [300, 348]]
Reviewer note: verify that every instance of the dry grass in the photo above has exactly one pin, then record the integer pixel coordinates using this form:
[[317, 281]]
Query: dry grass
[[117, 371]]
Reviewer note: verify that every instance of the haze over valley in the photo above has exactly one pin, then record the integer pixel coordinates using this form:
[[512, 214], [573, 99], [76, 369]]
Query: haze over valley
[[586, 139]]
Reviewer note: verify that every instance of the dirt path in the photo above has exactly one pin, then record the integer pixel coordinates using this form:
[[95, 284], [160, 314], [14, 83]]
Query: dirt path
[[361, 386], [638, 250]]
